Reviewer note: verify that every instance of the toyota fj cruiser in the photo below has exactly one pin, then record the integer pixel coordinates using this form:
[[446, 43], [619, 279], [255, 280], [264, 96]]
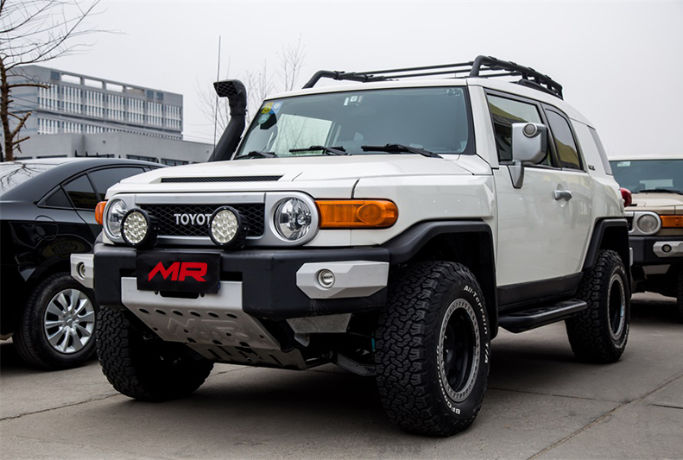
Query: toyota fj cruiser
[[655, 218], [390, 226]]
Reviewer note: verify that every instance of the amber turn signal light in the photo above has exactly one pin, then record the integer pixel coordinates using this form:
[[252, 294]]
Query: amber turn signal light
[[99, 212], [672, 221], [357, 213]]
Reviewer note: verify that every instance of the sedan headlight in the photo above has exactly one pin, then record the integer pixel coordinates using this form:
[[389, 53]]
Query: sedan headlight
[[112, 219], [293, 219]]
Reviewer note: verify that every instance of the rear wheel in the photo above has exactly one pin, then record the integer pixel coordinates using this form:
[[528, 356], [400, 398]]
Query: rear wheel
[[599, 333], [432, 349], [140, 365]]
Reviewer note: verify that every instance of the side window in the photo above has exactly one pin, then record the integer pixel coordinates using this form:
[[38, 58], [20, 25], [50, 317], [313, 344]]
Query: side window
[[81, 193], [105, 178], [601, 149], [57, 199], [567, 153], [505, 112]]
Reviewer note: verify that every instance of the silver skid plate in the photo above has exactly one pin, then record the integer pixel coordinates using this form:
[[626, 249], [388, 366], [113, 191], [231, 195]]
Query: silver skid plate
[[214, 325]]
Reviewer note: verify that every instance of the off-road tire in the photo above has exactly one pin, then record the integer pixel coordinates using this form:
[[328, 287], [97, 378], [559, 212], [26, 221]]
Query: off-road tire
[[140, 365], [412, 348], [599, 333], [30, 338]]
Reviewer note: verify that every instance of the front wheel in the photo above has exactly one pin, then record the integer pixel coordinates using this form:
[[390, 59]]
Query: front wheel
[[599, 333], [140, 365], [57, 325], [432, 349]]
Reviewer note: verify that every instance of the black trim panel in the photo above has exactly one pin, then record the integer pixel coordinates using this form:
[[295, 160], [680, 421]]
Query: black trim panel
[[515, 296]]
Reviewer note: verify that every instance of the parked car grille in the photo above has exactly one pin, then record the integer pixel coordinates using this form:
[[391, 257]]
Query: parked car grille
[[170, 222]]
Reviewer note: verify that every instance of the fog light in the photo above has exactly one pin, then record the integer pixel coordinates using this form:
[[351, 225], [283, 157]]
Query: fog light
[[326, 278], [225, 227], [136, 228], [666, 248]]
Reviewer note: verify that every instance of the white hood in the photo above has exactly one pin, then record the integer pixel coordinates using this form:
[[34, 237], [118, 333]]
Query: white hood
[[308, 168]]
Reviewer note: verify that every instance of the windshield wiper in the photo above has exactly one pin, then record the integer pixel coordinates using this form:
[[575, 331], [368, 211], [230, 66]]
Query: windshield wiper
[[399, 148], [257, 154], [327, 150], [659, 190]]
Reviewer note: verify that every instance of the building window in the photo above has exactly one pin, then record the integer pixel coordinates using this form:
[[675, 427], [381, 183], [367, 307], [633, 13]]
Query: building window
[[170, 162], [142, 158]]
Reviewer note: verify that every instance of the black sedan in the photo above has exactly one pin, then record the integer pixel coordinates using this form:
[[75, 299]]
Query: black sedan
[[47, 212]]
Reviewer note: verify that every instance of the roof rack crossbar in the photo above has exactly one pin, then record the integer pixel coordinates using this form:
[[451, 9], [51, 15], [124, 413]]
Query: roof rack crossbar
[[481, 67]]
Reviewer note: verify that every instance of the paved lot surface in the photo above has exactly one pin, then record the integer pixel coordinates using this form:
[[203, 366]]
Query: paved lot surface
[[541, 404]]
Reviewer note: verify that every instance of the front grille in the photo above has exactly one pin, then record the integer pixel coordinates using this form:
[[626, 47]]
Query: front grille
[[165, 215], [629, 220]]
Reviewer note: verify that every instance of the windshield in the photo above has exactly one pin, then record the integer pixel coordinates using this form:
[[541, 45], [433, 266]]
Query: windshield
[[432, 119], [643, 175], [13, 174]]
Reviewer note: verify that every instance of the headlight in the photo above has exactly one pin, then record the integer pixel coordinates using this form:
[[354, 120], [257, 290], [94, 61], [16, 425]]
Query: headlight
[[293, 219], [113, 218], [648, 224], [136, 228]]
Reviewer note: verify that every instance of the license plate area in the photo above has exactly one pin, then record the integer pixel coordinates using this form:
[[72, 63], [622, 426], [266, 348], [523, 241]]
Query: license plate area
[[178, 272]]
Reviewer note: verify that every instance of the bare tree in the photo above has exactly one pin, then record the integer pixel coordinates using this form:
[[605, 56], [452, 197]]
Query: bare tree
[[260, 84], [291, 60], [33, 31]]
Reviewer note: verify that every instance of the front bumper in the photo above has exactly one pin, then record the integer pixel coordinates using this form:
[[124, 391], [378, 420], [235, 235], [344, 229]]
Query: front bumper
[[275, 284], [653, 250]]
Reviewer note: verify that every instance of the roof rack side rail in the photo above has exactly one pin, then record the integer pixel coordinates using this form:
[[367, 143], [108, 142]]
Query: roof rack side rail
[[481, 67], [530, 77]]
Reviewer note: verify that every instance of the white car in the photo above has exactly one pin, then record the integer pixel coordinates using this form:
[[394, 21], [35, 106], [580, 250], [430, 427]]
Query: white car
[[389, 225]]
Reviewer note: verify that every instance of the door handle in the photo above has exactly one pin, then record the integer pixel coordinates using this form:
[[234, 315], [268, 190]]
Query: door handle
[[562, 195]]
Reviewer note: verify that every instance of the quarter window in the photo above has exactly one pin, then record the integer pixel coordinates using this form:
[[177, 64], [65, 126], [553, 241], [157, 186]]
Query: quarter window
[[81, 193], [567, 153], [505, 112]]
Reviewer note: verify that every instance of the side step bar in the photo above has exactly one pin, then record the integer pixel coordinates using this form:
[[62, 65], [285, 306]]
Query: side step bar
[[531, 318]]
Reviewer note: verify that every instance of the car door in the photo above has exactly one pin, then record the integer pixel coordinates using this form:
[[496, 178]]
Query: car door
[[542, 226]]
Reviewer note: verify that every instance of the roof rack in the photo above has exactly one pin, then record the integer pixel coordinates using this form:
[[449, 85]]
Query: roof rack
[[482, 67]]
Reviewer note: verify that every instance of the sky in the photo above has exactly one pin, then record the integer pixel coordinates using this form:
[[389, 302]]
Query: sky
[[620, 62]]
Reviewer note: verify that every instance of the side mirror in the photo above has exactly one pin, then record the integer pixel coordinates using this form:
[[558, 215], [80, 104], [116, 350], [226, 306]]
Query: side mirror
[[529, 144]]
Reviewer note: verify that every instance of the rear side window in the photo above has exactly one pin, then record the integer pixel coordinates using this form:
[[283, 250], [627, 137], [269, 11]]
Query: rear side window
[[105, 178], [567, 152], [601, 149], [505, 112], [57, 199], [81, 193]]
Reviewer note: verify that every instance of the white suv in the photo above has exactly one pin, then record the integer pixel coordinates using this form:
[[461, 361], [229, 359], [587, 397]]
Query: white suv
[[389, 225]]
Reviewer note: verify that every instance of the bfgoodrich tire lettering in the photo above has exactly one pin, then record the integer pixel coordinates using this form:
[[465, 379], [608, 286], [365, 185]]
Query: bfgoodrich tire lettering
[[432, 349], [599, 333], [140, 365]]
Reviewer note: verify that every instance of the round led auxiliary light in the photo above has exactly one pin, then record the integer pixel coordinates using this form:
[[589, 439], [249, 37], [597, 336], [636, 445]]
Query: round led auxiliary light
[[136, 228], [225, 227]]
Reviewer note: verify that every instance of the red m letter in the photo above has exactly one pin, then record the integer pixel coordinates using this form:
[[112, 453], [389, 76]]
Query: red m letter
[[195, 270], [172, 270]]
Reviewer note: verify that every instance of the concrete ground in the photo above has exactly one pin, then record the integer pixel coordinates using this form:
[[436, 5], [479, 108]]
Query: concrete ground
[[541, 403]]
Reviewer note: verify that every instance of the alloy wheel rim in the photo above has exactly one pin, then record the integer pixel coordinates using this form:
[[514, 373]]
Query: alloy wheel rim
[[458, 350], [69, 321], [616, 304]]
